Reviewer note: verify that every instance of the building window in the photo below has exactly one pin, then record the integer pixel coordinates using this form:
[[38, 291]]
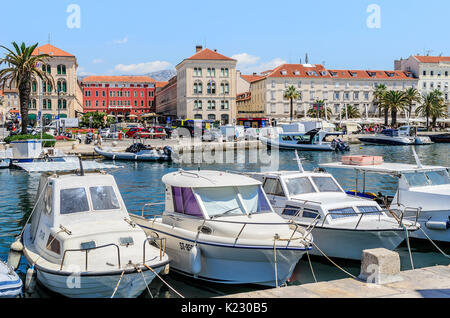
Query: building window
[[211, 117], [273, 108], [62, 104], [61, 69], [34, 86], [224, 88], [211, 87], [198, 105], [225, 105], [337, 96], [224, 72], [197, 71], [355, 95], [211, 105], [211, 72], [198, 88]]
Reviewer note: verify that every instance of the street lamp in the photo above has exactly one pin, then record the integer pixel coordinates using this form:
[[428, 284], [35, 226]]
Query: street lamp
[[58, 91]]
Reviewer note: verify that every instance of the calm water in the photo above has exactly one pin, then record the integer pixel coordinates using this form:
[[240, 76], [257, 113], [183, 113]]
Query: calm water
[[141, 183]]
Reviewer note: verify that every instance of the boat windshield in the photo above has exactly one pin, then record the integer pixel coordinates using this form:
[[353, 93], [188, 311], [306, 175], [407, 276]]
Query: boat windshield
[[73, 201], [224, 201], [422, 179], [104, 198], [298, 186], [326, 184]]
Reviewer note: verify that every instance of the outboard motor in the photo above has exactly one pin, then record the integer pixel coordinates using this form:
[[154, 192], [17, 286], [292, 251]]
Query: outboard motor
[[168, 151], [339, 145]]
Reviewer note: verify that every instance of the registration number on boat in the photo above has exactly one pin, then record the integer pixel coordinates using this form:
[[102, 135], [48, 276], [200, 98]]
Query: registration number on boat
[[186, 247]]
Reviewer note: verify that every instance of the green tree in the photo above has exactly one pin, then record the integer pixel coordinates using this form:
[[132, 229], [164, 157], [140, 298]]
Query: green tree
[[432, 106], [439, 109], [412, 96], [98, 120], [380, 91], [22, 68], [352, 112], [394, 101], [321, 105], [292, 94]]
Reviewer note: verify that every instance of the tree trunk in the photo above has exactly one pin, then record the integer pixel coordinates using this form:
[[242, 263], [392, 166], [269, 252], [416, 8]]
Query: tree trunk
[[24, 100], [386, 116], [394, 118], [292, 109]]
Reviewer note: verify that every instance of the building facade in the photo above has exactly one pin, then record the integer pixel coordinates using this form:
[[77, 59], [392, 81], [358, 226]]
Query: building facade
[[166, 100], [206, 87], [63, 98], [124, 97], [336, 88], [433, 72]]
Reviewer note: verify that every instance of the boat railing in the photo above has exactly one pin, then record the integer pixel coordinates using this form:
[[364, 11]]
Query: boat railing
[[244, 225], [162, 246], [150, 205], [87, 250]]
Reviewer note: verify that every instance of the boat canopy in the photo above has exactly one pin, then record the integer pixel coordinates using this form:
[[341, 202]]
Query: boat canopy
[[207, 179], [61, 166], [389, 168]]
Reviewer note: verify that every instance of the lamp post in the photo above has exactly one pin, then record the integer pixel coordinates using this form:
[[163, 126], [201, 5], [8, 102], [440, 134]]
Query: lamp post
[[58, 91]]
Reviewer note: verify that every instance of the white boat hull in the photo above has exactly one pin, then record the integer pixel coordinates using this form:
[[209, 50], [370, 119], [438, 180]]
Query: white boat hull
[[277, 144], [349, 244], [386, 140], [228, 264], [102, 286], [436, 224]]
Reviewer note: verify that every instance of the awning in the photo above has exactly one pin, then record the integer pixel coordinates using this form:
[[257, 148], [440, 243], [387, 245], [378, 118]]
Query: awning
[[32, 116], [48, 116], [63, 116], [14, 111]]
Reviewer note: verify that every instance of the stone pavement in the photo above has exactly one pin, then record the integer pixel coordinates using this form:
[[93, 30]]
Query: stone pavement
[[431, 282]]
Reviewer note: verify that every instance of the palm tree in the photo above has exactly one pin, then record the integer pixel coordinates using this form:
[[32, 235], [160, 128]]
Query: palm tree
[[394, 101], [412, 96], [431, 106], [21, 70], [378, 95], [352, 112], [291, 93], [320, 104], [439, 108]]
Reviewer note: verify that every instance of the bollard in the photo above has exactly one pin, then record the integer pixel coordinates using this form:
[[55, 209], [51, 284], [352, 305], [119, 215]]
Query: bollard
[[380, 266]]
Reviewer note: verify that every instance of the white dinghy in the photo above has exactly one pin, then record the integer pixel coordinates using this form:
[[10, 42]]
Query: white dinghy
[[10, 283], [82, 243], [221, 228]]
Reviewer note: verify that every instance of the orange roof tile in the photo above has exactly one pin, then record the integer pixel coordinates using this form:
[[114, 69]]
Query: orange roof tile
[[252, 78], [119, 79], [432, 59], [51, 50], [370, 74], [161, 84], [207, 54], [300, 71]]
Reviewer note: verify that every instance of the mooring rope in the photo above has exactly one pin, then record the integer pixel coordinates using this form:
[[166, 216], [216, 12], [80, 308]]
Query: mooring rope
[[145, 281], [181, 296], [353, 276], [118, 283], [409, 247], [34, 208], [310, 265], [435, 245]]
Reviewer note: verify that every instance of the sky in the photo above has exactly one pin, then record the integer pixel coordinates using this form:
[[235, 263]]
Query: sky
[[133, 37]]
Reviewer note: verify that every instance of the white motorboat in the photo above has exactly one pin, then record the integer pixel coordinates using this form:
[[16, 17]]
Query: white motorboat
[[342, 225], [221, 228], [404, 136], [311, 140], [419, 187], [82, 243], [10, 283]]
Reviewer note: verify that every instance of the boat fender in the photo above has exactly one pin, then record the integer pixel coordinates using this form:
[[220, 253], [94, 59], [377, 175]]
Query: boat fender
[[166, 270], [438, 226], [195, 259], [30, 280], [15, 253]]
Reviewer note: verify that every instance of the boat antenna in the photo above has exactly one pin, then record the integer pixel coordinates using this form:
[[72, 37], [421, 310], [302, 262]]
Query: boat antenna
[[299, 162], [419, 164], [81, 166]]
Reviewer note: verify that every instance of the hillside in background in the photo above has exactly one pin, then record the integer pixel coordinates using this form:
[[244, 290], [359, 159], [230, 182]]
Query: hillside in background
[[161, 76]]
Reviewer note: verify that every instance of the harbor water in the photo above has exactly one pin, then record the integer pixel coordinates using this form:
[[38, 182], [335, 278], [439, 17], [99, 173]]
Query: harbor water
[[140, 183]]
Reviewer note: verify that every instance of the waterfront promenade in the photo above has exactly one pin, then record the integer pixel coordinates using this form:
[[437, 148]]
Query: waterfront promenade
[[430, 282]]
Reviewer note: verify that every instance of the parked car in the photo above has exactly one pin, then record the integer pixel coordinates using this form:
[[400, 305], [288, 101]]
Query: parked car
[[133, 131], [251, 134], [104, 133], [212, 135]]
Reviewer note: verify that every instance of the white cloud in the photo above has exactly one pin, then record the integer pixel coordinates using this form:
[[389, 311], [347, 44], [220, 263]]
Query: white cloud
[[246, 59], [122, 41], [143, 68], [82, 72], [98, 61], [250, 63]]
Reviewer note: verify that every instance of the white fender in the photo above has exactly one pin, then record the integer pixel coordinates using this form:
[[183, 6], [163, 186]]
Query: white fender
[[436, 225], [15, 253], [30, 280], [195, 259]]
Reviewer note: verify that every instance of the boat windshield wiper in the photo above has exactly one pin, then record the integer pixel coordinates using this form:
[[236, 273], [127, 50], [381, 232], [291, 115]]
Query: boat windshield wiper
[[225, 213]]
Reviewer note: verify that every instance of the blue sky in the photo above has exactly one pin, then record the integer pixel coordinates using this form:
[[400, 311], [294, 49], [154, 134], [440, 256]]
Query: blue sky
[[138, 36]]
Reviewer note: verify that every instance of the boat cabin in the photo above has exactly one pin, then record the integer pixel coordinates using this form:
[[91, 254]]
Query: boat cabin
[[78, 213], [310, 196]]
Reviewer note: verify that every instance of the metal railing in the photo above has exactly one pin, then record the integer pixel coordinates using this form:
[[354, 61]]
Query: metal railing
[[87, 250], [162, 247], [303, 238]]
